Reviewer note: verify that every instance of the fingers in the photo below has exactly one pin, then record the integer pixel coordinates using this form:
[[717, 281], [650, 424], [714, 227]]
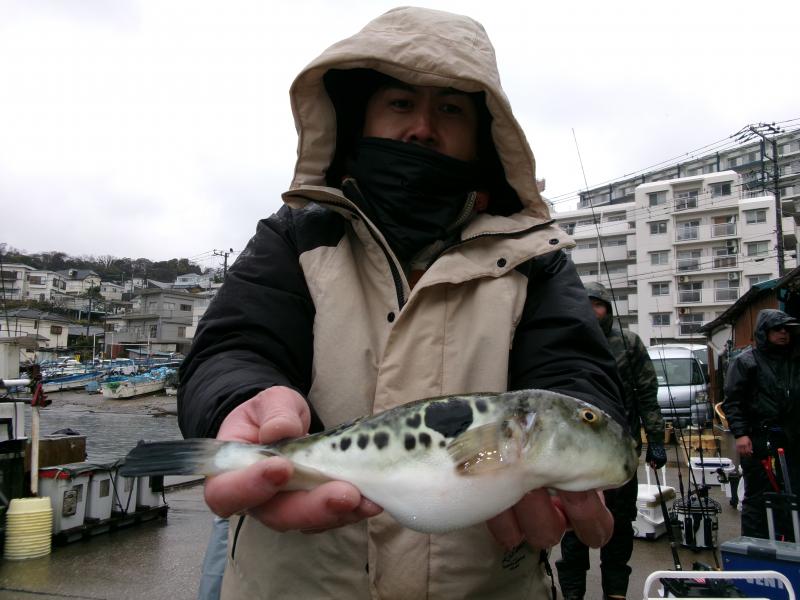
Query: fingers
[[271, 415], [505, 530], [540, 519], [333, 504], [241, 490], [535, 519], [587, 514]]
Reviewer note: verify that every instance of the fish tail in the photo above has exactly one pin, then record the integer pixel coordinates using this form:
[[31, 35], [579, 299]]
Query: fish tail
[[176, 457]]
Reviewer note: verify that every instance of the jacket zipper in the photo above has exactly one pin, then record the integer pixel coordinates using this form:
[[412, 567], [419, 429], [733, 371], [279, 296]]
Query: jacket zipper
[[395, 272]]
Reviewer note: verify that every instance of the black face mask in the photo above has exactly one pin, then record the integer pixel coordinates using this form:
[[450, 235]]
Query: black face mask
[[414, 195]]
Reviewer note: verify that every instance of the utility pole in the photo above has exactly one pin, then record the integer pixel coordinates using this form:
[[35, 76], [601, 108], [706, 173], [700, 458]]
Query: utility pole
[[224, 254], [748, 132]]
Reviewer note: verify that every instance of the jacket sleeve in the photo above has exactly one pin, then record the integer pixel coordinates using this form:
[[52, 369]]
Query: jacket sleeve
[[738, 394], [256, 333], [647, 388], [558, 344]]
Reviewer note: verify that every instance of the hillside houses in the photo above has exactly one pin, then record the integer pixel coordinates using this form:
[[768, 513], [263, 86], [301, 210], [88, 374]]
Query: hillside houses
[[141, 316]]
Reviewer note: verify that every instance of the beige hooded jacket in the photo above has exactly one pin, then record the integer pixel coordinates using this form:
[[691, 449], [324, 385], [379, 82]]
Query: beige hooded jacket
[[348, 331]]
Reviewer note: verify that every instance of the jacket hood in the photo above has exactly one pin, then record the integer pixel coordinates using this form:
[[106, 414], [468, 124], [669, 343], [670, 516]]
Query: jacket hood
[[595, 289], [420, 47], [766, 320]]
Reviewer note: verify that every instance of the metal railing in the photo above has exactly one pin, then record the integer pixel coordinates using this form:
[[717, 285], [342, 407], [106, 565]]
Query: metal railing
[[724, 261], [687, 233], [723, 229]]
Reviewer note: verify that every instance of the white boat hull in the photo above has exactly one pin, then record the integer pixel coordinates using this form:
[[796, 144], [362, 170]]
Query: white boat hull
[[129, 389]]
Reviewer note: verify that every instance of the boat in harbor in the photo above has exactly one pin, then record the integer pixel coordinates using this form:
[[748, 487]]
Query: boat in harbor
[[70, 382], [121, 387]]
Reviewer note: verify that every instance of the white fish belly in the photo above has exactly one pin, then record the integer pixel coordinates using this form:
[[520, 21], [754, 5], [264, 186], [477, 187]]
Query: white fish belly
[[435, 500]]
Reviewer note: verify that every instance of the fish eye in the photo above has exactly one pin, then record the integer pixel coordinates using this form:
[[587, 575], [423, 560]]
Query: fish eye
[[588, 415]]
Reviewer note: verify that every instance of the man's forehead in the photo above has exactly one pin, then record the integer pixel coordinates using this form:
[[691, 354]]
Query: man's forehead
[[439, 91]]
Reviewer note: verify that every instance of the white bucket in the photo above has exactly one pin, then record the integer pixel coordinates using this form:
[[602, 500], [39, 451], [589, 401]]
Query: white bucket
[[29, 524]]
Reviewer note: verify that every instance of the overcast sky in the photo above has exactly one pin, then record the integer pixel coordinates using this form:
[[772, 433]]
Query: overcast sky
[[162, 128]]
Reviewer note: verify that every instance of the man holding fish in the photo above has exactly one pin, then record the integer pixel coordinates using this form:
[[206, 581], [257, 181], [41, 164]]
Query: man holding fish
[[414, 259]]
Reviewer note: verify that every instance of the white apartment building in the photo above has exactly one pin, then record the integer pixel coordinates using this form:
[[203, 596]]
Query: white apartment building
[[681, 253], [14, 281], [753, 161]]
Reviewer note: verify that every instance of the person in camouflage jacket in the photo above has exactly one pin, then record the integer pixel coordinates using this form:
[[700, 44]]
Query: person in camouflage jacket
[[640, 392]]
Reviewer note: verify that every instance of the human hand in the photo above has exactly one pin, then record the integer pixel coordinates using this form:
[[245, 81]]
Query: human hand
[[274, 414], [744, 446], [656, 455], [541, 519]]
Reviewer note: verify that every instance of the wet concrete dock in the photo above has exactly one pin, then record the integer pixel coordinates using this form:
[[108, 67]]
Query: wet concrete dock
[[162, 559]]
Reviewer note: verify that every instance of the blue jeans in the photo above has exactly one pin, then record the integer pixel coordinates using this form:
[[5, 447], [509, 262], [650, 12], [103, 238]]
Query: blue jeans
[[214, 561]]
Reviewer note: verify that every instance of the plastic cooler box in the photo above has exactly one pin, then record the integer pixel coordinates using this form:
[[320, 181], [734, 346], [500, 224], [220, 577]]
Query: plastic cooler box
[[710, 466], [149, 493], [67, 486], [748, 553], [100, 499], [124, 490], [649, 521]]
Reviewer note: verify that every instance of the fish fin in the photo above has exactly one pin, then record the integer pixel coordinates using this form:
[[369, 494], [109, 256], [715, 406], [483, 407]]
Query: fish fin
[[487, 448], [196, 456]]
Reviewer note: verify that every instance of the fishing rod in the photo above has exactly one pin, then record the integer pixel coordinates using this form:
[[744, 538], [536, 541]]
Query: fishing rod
[[635, 391]]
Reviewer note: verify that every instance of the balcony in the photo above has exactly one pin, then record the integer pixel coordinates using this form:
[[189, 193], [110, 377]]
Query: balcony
[[726, 294], [725, 261], [688, 264], [689, 328], [684, 234], [690, 296], [723, 230]]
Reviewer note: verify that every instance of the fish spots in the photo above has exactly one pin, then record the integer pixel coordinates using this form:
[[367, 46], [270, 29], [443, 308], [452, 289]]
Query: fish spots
[[410, 441], [414, 421], [481, 405], [362, 441], [425, 440], [333, 445], [345, 443], [381, 440], [449, 418]]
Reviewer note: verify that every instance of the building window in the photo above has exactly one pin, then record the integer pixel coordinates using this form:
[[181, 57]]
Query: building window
[[689, 260], [583, 246], [658, 228], [568, 227], [688, 230], [720, 189], [660, 288], [608, 243], [757, 248], [657, 198], [186, 307], [615, 218], [36, 280], [661, 319], [181, 332], [686, 200], [753, 217], [153, 331], [659, 258], [56, 329], [754, 279]]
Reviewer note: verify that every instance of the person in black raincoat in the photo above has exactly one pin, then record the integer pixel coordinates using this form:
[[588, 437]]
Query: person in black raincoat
[[762, 392], [640, 399]]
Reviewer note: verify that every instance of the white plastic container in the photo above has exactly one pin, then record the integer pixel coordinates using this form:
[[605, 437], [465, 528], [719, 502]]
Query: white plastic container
[[100, 499], [67, 486], [124, 492], [711, 465], [150, 492]]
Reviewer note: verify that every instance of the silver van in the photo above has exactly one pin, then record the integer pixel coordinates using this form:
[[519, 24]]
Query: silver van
[[682, 383]]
